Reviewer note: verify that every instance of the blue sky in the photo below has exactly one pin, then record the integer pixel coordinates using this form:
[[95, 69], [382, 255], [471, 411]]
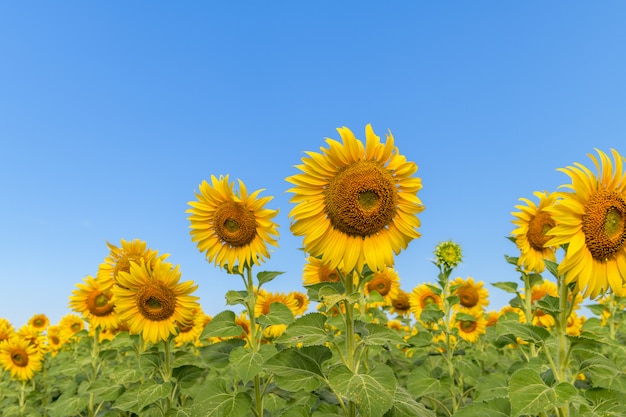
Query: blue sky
[[112, 113]]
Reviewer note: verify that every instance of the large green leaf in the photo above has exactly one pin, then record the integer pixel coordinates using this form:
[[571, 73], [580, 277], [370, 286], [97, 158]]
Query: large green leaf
[[66, 405], [222, 325], [404, 405], [497, 407], [529, 395], [247, 363], [266, 276], [217, 399], [507, 331], [373, 334], [372, 392], [279, 314], [217, 355], [306, 330], [299, 369]]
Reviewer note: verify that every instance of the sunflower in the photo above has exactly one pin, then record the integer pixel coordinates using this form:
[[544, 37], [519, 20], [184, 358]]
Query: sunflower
[[94, 302], [421, 296], [55, 339], [316, 272], [356, 204], [400, 304], [492, 318], [190, 332], [6, 329], [302, 302], [119, 259], [20, 358], [508, 309], [71, 324], [39, 322], [151, 300], [471, 294], [470, 330], [531, 234], [274, 331], [386, 283], [575, 324], [232, 228], [538, 292], [448, 255], [265, 299], [591, 220], [33, 336]]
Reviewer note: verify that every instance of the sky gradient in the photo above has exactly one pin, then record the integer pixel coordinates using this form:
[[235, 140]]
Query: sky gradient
[[112, 114]]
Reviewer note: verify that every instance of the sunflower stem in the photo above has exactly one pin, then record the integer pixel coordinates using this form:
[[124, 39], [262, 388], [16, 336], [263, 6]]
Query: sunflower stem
[[349, 320], [562, 342], [255, 336], [528, 308], [22, 399], [444, 281]]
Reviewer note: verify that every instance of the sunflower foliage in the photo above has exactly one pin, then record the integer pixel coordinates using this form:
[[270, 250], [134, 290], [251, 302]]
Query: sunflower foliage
[[352, 342]]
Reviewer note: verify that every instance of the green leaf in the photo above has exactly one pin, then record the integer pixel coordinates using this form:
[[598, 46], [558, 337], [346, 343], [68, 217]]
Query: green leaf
[[553, 267], [297, 411], [506, 286], [68, 404], [247, 363], [313, 290], [279, 314], [104, 391], [492, 386], [299, 369], [307, 330], [530, 396], [404, 405], [511, 329], [266, 276], [511, 259], [606, 402], [217, 399], [497, 407], [217, 355], [372, 392], [374, 334], [236, 297], [222, 325], [150, 392], [331, 295], [420, 382], [549, 305]]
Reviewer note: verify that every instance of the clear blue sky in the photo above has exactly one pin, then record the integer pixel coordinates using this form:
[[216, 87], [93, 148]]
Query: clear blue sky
[[112, 113]]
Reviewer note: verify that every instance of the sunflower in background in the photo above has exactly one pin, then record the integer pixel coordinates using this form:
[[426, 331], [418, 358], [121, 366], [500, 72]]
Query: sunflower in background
[[55, 339], [39, 322], [534, 224], [591, 220], [94, 301], [316, 272], [421, 296], [6, 329], [232, 228], [120, 258], [265, 299], [386, 283], [20, 358], [356, 204], [151, 300], [71, 324], [302, 302], [471, 294], [470, 330], [400, 304]]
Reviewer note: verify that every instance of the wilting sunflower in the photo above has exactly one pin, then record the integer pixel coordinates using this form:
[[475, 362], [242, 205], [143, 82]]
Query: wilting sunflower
[[471, 294], [20, 358], [591, 220], [356, 204], [470, 330], [119, 259], [400, 304], [94, 302], [232, 228], [151, 300], [316, 272], [386, 283], [421, 296], [39, 322], [534, 223]]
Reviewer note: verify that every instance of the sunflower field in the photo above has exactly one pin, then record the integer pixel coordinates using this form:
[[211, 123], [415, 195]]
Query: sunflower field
[[352, 342]]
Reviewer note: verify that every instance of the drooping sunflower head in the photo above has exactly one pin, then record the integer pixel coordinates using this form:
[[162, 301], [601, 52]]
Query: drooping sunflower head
[[232, 228], [591, 220], [94, 301], [448, 255], [120, 258], [470, 328], [20, 358], [534, 223], [421, 296], [471, 294], [39, 322], [386, 283], [151, 300], [356, 204]]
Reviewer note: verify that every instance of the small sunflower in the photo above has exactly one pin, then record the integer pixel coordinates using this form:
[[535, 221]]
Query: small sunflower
[[538, 292], [232, 228], [386, 283], [120, 258], [94, 302], [33, 336], [421, 296], [471, 294], [356, 204], [508, 309], [400, 304], [190, 332], [470, 330], [492, 318], [534, 223], [316, 272], [55, 339], [20, 358], [71, 324], [575, 324], [302, 301], [39, 322], [265, 299], [591, 220], [151, 300]]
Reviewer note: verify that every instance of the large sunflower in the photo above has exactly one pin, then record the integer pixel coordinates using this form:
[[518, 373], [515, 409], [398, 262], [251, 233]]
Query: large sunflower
[[531, 235], [232, 228], [94, 303], [356, 204], [119, 259], [591, 220], [151, 300], [20, 358]]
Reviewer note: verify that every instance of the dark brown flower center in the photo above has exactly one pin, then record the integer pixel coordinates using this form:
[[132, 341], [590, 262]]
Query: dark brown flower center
[[99, 304], [379, 284], [604, 224], [538, 226], [234, 224], [468, 296], [156, 302], [401, 303], [468, 326], [361, 199], [19, 357]]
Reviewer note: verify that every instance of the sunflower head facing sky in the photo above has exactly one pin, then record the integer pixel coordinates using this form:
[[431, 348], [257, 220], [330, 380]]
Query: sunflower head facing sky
[[232, 228], [356, 204], [591, 220], [534, 224], [151, 300]]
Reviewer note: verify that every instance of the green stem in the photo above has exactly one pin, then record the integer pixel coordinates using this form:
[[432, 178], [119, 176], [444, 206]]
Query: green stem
[[562, 354], [23, 399], [528, 309], [255, 337], [350, 349]]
